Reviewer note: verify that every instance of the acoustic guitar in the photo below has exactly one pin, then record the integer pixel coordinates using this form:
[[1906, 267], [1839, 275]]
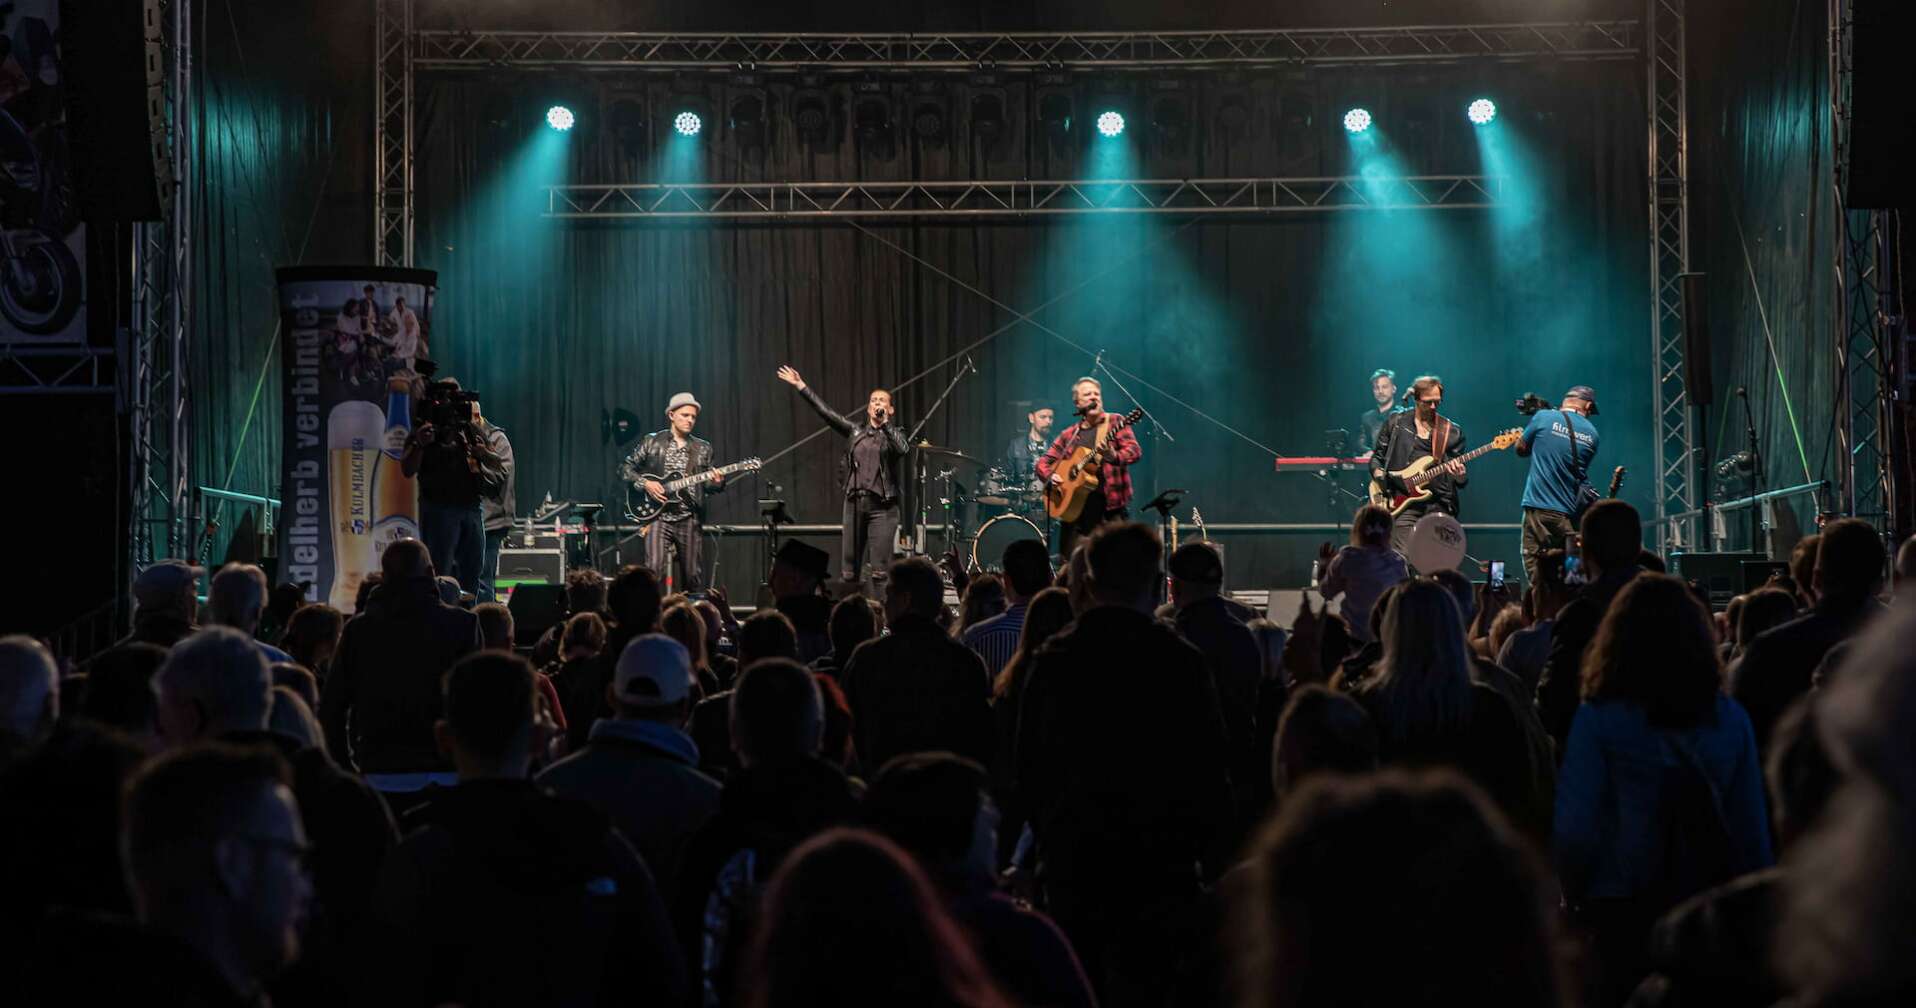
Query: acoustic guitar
[[1418, 474], [1065, 500]]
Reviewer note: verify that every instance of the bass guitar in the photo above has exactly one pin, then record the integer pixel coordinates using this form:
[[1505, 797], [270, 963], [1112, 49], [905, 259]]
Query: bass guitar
[[645, 509], [1616, 481], [1417, 475], [1064, 500]]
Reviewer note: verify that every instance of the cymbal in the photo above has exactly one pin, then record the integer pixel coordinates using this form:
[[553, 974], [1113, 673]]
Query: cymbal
[[950, 453]]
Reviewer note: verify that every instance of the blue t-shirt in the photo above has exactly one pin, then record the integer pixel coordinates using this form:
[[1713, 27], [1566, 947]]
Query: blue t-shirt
[[1556, 469]]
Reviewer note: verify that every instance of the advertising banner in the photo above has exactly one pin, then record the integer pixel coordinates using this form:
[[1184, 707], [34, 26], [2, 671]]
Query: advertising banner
[[350, 339]]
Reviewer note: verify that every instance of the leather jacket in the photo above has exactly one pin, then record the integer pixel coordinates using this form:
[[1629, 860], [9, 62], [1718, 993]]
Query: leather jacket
[[892, 447], [649, 457]]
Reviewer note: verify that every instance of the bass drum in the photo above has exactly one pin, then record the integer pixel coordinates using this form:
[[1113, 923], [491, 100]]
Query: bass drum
[[988, 546]]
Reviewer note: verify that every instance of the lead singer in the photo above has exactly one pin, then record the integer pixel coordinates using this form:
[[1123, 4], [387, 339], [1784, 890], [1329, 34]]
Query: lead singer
[[1111, 501], [874, 446]]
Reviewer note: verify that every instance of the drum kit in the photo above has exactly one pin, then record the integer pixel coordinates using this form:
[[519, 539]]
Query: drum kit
[[1005, 506]]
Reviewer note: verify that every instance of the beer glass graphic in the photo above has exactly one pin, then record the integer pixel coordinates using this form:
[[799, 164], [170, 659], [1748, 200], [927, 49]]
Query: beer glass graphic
[[396, 501], [354, 431]]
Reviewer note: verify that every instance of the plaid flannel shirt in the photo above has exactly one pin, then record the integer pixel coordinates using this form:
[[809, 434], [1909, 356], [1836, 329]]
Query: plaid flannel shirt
[[1114, 478]]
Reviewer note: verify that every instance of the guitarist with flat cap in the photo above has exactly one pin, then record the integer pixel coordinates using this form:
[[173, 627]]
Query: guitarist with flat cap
[[1086, 469]]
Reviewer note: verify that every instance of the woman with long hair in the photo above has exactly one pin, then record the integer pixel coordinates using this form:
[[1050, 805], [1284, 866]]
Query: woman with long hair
[[1661, 793], [685, 624], [849, 919], [312, 636], [1430, 712], [984, 598]]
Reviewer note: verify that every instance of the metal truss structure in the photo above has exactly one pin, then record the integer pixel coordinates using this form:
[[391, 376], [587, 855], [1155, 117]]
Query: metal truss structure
[[404, 50], [153, 369], [807, 200], [968, 51], [1865, 319], [1675, 444], [393, 38], [55, 369]]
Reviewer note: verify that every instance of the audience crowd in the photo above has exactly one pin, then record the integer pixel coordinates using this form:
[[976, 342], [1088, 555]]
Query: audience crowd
[[1119, 785]]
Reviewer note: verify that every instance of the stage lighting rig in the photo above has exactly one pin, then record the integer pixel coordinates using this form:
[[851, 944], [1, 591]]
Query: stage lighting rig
[[745, 118], [1357, 120], [872, 119], [1110, 123], [1481, 112], [930, 119], [812, 112], [987, 119], [688, 123], [560, 118]]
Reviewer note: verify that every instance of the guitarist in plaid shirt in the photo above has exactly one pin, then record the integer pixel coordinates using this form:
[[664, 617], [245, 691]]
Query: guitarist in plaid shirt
[[1113, 500]]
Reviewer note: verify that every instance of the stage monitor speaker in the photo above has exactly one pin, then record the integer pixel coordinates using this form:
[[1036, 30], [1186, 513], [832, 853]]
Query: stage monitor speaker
[[1696, 341], [114, 75], [535, 608], [1720, 574], [1882, 134], [540, 566]]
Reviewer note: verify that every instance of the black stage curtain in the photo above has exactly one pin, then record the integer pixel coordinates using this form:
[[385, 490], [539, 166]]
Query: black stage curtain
[[1269, 325], [1760, 184]]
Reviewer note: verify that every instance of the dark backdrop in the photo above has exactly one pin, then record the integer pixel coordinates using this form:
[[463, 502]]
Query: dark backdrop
[[1268, 325]]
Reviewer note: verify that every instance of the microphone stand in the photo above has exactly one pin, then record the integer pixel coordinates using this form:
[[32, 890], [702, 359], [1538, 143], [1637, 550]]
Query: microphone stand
[[1157, 426], [1758, 478], [924, 474]]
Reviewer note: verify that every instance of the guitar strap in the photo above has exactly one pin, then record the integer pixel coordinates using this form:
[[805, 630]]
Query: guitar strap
[[1440, 438]]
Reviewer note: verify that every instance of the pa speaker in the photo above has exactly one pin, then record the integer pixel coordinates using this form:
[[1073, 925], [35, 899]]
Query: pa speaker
[[1696, 341], [1720, 574], [1882, 134], [114, 72]]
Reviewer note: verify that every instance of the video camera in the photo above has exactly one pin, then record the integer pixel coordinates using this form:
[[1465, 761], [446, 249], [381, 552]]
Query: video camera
[[1531, 402], [452, 411]]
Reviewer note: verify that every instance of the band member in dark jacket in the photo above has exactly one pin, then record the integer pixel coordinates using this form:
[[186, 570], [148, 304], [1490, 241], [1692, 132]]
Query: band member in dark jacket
[[1409, 436], [874, 447], [673, 453]]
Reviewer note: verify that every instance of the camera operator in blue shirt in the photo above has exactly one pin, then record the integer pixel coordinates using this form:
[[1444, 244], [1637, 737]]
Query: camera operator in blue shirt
[[1560, 444]]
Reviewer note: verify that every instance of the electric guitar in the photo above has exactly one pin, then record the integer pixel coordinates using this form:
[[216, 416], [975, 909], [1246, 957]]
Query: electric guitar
[[1065, 500], [1616, 481], [646, 509], [1418, 474]]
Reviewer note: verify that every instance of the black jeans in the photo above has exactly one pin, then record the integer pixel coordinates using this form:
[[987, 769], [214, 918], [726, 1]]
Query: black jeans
[[456, 537], [1087, 522], [1542, 530], [489, 565], [868, 536], [683, 536]]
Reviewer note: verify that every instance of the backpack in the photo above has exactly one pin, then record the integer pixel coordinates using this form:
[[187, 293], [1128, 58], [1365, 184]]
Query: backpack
[[1696, 850]]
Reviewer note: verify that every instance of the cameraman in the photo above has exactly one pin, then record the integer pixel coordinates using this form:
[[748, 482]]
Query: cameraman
[[499, 507], [1560, 444], [448, 452]]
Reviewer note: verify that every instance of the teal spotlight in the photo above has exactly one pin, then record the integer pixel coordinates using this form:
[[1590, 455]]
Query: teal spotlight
[[560, 118], [1110, 124], [1481, 112], [1357, 120], [688, 123]]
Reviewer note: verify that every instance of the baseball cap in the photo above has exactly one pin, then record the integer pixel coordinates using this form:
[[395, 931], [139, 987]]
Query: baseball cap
[[653, 671], [683, 399], [1584, 392], [163, 580], [1197, 563]]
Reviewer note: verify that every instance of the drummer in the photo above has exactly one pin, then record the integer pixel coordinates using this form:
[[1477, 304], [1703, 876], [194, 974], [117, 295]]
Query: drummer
[[1021, 458]]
